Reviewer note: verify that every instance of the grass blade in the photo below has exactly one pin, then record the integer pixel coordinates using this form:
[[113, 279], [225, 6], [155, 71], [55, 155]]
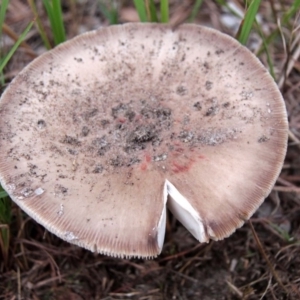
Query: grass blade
[[48, 8], [3, 194], [110, 13], [14, 36], [195, 10], [54, 13], [262, 251], [164, 11], [285, 19], [39, 25], [247, 22], [152, 9], [266, 48], [59, 20], [6, 59], [141, 9], [291, 12], [3, 8], [229, 8]]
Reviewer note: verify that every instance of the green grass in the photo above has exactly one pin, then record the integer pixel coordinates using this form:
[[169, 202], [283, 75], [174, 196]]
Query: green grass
[[283, 233], [248, 21], [9, 55], [39, 24], [195, 10], [291, 12], [164, 11], [3, 194], [147, 11], [141, 10], [152, 10], [110, 12], [285, 21], [3, 9], [54, 12], [228, 8], [266, 49]]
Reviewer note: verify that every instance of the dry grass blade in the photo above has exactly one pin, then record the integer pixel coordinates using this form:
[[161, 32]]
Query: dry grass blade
[[6, 59], [287, 189], [262, 251], [235, 290], [39, 24], [28, 50], [292, 57]]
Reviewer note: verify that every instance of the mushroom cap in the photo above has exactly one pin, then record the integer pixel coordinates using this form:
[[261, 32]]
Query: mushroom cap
[[98, 135]]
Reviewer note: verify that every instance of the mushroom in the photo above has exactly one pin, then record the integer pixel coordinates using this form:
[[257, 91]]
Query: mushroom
[[100, 134]]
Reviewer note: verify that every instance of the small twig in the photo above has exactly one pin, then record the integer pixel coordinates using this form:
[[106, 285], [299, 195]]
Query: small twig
[[263, 253], [254, 282], [284, 182], [294, 139], [131, 294], [19, 283], [292, 178], [47, 281], [15, 37], [287, 189], [292, 58], [268, 286], [184, 276], [235, 289], [286, 248], [177, 255]]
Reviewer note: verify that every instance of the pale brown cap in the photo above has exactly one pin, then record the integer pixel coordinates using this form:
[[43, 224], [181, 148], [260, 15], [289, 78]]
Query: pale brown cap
[[97, 134]]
